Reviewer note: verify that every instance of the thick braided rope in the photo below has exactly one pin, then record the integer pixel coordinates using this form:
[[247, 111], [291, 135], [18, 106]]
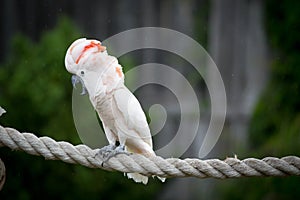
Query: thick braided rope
[[171, 167], [2, 174]]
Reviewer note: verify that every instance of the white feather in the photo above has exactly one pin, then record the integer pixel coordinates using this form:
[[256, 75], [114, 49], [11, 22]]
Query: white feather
[[120, 112]]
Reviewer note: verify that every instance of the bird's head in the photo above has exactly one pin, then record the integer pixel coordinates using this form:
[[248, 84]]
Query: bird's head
[[90, 65]]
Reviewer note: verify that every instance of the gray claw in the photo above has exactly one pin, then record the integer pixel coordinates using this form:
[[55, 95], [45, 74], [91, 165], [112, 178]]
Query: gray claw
[[105, 151], [110, 151], [120, 149]]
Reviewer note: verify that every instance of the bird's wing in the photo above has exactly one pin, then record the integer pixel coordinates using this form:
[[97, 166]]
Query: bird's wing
[[133, 115]]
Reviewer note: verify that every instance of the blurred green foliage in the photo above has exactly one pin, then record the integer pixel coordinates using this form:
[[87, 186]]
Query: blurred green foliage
[[35, 89], [275, 125]]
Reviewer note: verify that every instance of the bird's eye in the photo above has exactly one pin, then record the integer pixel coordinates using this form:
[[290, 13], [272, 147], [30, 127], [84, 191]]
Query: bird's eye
[[82, 72]]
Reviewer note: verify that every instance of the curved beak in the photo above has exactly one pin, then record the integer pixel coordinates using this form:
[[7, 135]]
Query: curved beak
[[76, 79]]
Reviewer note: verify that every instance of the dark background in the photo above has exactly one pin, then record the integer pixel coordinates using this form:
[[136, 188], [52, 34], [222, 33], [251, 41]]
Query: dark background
[[254, 43]]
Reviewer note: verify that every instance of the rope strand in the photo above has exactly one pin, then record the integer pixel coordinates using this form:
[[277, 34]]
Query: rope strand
[[170, 167]]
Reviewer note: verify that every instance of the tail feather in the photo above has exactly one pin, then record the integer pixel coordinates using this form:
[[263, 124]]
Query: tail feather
[[138, 178], [161, 179]]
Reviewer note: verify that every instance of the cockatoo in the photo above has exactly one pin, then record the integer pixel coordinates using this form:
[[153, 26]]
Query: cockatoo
[[122, 117]]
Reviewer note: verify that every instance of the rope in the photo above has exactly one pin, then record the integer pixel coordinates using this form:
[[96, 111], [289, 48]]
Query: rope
[[2, 174], [170, 167]]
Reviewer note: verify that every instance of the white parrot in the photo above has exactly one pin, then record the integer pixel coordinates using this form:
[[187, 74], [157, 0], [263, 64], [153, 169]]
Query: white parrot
[[123, 119]]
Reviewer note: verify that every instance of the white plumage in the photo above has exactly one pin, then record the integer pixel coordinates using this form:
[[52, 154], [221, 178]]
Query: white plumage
[[122, 116]]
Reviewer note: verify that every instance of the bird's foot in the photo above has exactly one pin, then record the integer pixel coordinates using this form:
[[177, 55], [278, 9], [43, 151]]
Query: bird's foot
[[105, 151], [110, 151]]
